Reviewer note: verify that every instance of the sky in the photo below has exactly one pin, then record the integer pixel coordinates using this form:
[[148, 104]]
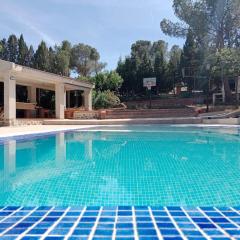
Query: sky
[[111, 26]]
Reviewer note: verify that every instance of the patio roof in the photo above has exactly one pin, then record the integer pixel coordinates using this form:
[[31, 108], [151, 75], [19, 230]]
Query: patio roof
[[13, 74], [28, 76]]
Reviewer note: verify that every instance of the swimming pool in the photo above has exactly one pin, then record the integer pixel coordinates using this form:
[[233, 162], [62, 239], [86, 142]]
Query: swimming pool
[[134, 165]]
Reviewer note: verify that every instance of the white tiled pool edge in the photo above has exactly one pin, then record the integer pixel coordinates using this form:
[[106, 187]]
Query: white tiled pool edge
[[6, 132]]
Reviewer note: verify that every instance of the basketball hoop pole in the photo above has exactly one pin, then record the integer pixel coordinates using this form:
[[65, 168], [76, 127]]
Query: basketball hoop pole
[[150, 97], [149, 83]]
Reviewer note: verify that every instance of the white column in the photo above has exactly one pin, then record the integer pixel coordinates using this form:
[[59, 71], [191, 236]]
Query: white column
[[59, 100], [65, 100], [32, 94], [9, 98], [88, 99], [68, 105]]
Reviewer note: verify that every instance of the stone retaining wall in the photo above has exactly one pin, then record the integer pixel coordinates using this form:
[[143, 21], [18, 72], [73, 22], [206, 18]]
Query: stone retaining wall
[[21, 122], [165, 103], [85, 115]]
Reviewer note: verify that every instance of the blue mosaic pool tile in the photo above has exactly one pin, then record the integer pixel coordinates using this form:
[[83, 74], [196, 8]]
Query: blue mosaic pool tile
[[119, 223], [125, 208]]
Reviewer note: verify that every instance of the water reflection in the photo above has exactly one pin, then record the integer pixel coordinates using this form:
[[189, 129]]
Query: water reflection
[[10, 158], [60, 153]]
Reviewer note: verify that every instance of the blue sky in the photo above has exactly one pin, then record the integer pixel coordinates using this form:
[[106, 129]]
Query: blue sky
[[111, 26]]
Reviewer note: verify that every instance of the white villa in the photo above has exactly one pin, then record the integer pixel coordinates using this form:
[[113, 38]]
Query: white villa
[[12, 75]]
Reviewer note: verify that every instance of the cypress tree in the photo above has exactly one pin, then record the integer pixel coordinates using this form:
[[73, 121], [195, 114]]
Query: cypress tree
[[30, 57], [22, 51], [52, 60], [41, 57], [63, 54], [159, 71], [174, 69], [12, 46], [4, 49], [145, 70], [189, 60]]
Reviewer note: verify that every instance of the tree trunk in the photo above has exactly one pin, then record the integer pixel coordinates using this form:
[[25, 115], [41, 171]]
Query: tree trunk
[[227, 90]]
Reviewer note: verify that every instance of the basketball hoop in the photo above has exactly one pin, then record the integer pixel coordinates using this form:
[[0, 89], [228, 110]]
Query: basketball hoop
[[149, 85]]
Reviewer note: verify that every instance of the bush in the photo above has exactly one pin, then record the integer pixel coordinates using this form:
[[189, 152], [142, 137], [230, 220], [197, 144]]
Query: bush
[[107, 81], [105, 99]]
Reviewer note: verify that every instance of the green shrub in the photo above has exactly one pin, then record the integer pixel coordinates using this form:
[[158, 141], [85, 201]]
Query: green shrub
[[105, 99], [107, 81]]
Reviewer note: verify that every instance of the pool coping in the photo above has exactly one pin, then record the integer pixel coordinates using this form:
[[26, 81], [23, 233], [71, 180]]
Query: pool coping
[[41, 133]]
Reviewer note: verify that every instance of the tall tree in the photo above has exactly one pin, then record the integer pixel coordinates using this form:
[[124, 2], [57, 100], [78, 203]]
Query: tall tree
[[127, 70], [174, 69], [22, 51], [159, 48], [52, 61], [215, 24], [104, 81], [142, 63], [41, 57], [4, 49], [189, 60], [144, 70], [139, 50], [85, 60], [159, 71], [63, 55], [30, 57], [12, 47], [158, 54], [147, 60], [231, 59]]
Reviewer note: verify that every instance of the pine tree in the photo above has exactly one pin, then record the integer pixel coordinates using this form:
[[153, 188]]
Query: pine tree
[[4, 51], [30, 57], [174, 69], [22, 51], [1, 50], [12, 46], [52, 61], [63, 55], [159, 71], [189, 59], [66, 46], [145, 70], [41, 57]]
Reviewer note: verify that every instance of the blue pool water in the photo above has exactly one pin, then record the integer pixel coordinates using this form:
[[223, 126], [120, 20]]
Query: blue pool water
[[134, 165]]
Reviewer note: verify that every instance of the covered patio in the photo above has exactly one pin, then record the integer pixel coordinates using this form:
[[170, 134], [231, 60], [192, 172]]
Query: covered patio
[[32, 81]]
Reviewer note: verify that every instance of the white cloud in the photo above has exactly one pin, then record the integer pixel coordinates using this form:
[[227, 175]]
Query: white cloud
[[24, 18]]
